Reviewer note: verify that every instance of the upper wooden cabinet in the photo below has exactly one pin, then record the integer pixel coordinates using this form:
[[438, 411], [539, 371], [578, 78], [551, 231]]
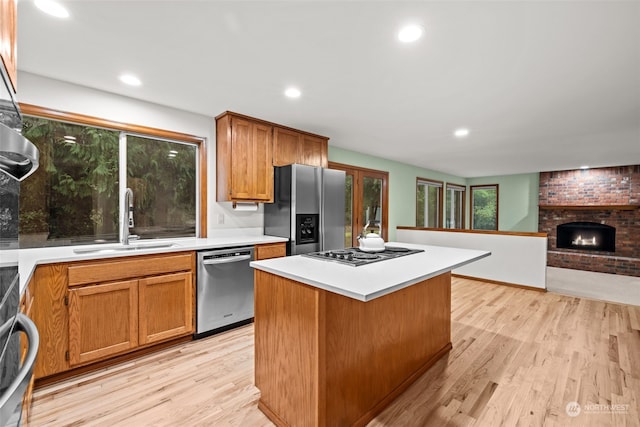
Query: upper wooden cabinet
[[313, 151], [243, 160], [290, 146], [8, 38], [247, 149]]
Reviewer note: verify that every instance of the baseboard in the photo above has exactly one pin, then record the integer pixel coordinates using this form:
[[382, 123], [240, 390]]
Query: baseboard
[[497, 282]]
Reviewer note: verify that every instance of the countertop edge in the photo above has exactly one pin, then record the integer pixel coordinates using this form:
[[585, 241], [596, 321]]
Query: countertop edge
[[367, 296], [30, 258]]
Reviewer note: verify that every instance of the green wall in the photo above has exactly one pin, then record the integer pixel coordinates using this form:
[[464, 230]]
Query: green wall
[[517, 203], [517, 200]]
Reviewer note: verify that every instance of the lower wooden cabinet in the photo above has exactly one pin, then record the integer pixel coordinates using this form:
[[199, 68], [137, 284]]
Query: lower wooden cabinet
[[270, 250], [91, 311], [103, 321], [165, 308]]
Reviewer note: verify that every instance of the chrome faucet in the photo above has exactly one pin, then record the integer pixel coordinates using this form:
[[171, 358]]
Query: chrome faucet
[[127, 217]]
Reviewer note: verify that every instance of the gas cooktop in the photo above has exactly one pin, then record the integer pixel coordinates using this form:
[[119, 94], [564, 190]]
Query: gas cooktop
[[355, 257]]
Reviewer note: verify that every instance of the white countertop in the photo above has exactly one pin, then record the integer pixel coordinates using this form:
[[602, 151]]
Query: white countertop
[[374, 280], [30, 258]]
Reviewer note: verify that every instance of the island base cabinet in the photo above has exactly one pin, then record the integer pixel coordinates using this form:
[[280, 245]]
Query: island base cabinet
[[103, 321], [322, 359]]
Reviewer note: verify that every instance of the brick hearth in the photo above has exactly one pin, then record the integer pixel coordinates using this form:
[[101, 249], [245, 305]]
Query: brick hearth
[[607, 196]]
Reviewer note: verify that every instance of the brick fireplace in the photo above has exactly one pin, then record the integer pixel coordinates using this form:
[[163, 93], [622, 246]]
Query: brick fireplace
[[607, 196]]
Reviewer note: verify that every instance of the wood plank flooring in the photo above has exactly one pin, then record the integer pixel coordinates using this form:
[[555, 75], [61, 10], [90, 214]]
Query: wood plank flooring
[[519, 358]]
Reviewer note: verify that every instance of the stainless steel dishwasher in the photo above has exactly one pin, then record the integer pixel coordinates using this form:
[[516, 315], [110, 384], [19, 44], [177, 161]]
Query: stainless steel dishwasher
[[224, 295]]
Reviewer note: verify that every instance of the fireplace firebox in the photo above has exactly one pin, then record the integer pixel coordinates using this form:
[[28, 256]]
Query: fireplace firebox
[[590, 236]]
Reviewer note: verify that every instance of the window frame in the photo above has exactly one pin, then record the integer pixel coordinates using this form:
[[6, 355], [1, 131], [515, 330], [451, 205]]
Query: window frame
[[463, 190], [440, 186], [144, 131], [471, 205]]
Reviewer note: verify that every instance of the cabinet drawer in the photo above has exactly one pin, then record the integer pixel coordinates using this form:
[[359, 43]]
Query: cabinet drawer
[[273, 250], [124, 268]]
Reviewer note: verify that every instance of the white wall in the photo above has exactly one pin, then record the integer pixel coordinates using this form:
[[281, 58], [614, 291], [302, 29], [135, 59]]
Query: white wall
[[515, 259], [62, 96]]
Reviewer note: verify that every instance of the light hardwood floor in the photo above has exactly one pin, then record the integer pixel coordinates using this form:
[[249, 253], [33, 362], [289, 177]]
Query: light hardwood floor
[[519, 357]]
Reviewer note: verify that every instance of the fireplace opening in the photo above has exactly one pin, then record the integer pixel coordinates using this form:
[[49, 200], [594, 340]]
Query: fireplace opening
[[589, 236]]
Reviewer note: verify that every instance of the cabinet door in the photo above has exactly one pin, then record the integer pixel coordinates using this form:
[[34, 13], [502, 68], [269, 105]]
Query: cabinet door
[[103, 321], [313, 151], [286, 144], [8, 38], [251, 169], [262, 167], [242, 157], [166, 307]]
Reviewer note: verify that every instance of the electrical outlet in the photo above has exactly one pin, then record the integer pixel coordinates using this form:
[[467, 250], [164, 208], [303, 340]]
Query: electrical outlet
[[220, 218]]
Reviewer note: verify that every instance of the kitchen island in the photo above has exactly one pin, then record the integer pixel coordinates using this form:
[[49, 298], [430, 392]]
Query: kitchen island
[[335, 344]]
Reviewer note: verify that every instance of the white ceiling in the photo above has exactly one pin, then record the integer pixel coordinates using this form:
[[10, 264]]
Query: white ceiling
[[542, 85]]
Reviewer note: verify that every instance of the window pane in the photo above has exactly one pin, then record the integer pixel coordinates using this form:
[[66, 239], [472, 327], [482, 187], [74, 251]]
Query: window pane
[[73, 196], [162, 176], [484, 202], [455, 208], [427, 205], [372, 203], [348, 218]]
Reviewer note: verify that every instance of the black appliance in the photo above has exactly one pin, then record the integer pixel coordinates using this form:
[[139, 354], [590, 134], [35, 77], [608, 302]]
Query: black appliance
[[308, 208], [18, 159], [356, 257]]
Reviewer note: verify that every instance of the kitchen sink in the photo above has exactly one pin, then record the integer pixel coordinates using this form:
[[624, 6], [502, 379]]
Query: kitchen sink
[[124, 248]]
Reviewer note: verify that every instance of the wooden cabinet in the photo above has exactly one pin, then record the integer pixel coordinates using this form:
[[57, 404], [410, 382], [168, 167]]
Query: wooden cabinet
[[165, 307], [290, 146], [243, 161], [103, 321], [247, 149], [91, 311], [8, 38], [270, 250]]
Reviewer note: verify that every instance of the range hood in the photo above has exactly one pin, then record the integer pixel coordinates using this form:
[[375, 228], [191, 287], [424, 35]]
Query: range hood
[[18, 156]]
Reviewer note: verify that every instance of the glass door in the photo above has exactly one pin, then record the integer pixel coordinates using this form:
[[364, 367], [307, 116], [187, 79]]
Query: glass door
[[366, 203]]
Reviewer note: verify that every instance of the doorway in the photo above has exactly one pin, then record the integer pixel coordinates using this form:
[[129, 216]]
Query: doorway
[[366, 202]]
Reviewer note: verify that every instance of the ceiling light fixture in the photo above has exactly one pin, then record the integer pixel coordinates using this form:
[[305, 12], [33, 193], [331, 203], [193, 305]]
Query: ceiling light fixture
[[461, 133], [130, 80], [292, 92], [53, 8], [409, 33], [584, 167]]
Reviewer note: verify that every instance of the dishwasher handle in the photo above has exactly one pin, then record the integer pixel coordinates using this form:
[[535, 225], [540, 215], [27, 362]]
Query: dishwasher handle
[[226, 260]]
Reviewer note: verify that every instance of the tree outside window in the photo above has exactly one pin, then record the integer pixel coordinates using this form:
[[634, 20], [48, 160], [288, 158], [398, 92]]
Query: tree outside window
[[74, 197], [484, 207]]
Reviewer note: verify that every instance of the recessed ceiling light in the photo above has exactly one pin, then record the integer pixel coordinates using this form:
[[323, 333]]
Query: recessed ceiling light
[[293, 92], [130, 80], [584, 167], [53, 8], [409, 33], [461, 133]]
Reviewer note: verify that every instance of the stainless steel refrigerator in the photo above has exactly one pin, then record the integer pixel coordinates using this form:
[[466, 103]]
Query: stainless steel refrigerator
[[308, 208]]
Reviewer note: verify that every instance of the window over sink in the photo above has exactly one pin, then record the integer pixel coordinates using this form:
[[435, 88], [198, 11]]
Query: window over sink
[[76, 195]]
